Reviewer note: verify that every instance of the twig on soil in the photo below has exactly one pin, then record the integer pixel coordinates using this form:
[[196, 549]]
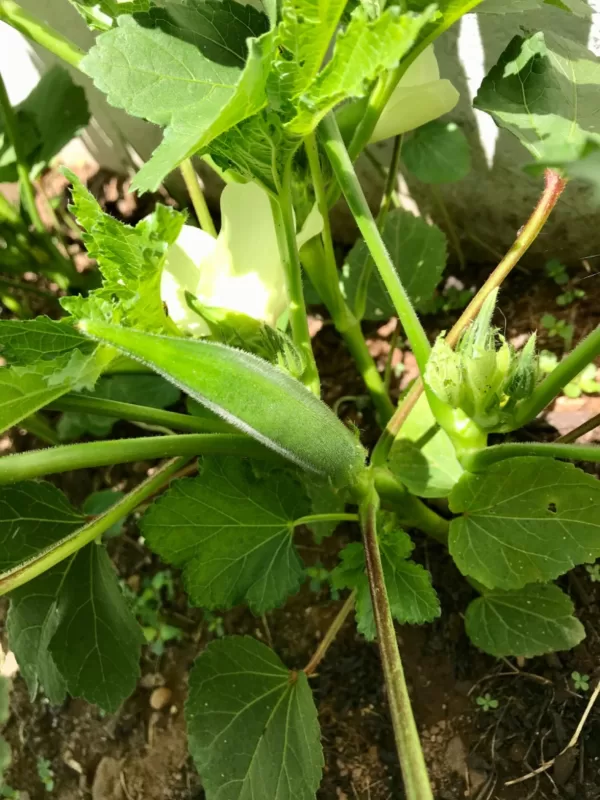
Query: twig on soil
[[574, 739], [585, 427]]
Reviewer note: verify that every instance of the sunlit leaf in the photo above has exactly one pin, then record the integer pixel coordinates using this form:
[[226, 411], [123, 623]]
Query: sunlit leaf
[[524, 520]]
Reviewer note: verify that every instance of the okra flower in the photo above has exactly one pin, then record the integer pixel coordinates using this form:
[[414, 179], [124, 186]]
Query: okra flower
[[240, 270], [420, 96]]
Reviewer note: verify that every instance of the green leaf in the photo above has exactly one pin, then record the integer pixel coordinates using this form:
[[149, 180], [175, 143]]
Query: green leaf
[[100, 14], [142, 390], [41, 339], [130, 259], [323, 500], [97, 503], [249, 393], [302, 40], [437, 152], [526, 622], [97, 643], [195, 67], [24, 390], [577, 7], [230, 530], [410, 593], [33, 516], [252, 725], [362, 52], [4, 702], [422, 457], [418, 251], [53, 114], [544, 90], [524, 520]]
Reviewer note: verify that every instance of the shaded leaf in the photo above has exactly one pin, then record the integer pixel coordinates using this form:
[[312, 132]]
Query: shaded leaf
[[524, 520], [418, 251], [97, 643], [544, 90], [578, 7], [230, 531], [526, 622], [362, 52], [437, 152], [195, 67], [422, 457], [410, 593], [252, 724], [97, 503]]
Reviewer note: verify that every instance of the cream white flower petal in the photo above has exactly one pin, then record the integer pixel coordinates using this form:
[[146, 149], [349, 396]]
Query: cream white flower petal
[[313, 226], [193, 250], [419, 97]]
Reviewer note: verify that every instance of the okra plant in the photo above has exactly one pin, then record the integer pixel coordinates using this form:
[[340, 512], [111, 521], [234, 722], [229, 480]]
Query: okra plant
[[281, 99]]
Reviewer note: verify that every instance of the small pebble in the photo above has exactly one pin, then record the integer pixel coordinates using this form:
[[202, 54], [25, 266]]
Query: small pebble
[[160, 698]]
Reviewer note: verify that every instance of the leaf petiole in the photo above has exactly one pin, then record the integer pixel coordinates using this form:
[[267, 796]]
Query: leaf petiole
[[476, 462], [88, 533], [324, 518]]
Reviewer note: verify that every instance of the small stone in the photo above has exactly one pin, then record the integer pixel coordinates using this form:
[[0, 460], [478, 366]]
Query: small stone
[[160, 698]]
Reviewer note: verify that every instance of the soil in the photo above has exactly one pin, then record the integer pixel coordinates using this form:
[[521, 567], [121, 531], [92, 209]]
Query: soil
[[140, 753]]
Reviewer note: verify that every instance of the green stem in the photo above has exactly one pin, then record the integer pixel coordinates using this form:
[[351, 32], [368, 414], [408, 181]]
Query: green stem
[[362, 289], [567, 369], [387, 83], [411, 511], [23, 466], [283, 213], [14, 137], [330, 635], [135, 413], [319, 261], [196, 194], [8, 212], [40, 33], [475, 462], [554, 187], [351, 188], [87, 534], [324, 518], [38, 426], [410, 753], [387, 374]]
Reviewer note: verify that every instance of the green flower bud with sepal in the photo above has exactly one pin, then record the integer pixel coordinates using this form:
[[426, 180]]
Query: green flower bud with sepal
[[485, 377]]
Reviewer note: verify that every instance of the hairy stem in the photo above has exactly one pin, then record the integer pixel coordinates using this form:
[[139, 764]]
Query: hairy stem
[[581, 430], [351, 188], [475, 462], [135, 413], [385, 86], [14, 137], [283, 213], [527, 235], [88, 533], [40, 33], [319, 261], [330, 635], [324, 518], [192, 183], [567, 369], [410, 753], [362, 288], [33, 464]]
